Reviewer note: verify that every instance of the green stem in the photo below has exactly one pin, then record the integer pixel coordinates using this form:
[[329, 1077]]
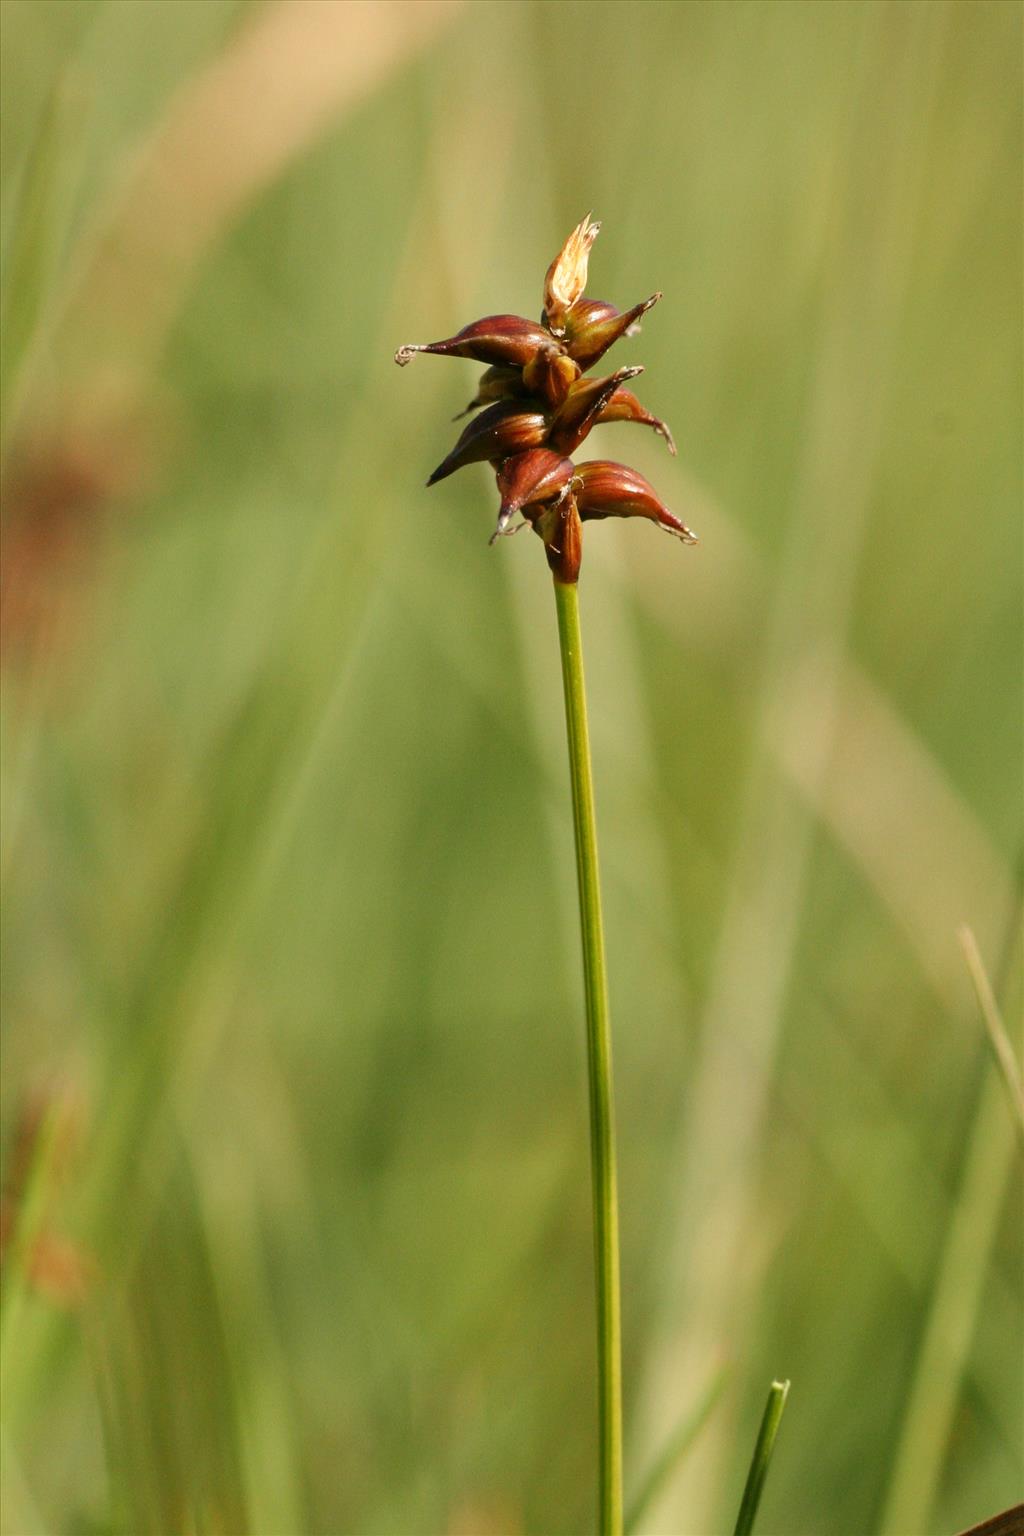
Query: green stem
[[599, 1069], [770, 1421]]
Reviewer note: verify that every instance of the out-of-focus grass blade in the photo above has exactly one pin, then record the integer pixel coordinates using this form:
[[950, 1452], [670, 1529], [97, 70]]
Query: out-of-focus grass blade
[[950, 1326], [252, 120], [261, 1412], [28, 1220], [766, 1436], [676, 1447], [18, 1509], [166, 1382], [28, 258], [962, 1268], [999, 1040]]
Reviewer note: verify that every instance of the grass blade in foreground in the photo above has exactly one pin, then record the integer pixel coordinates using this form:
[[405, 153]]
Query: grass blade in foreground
[[770, 1421], [599, 1066]]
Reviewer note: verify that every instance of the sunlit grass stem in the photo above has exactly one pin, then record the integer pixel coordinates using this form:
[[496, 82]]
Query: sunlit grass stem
[[599, 1069], [674, 1452]]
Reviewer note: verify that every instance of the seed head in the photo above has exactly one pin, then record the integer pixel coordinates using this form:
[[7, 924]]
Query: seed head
[[536, 409]]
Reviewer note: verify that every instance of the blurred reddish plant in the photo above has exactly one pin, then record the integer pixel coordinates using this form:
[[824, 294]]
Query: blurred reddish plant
[[39, 1164]]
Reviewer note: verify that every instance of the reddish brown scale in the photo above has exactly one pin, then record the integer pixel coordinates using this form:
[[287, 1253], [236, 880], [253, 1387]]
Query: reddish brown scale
[[574, 419], [606, 489], [528, 480], [508, 427], [558, 525], [592, 327], [494, 339]]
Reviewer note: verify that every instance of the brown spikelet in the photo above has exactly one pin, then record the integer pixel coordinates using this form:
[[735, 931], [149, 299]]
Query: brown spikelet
[[535, 409]]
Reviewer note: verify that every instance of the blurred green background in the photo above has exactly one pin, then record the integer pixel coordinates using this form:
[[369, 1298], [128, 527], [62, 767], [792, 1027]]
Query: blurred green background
[[296, 1199]]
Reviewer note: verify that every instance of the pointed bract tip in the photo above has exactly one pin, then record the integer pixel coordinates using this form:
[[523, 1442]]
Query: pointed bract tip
[[608, 489], [684, 534], [624, 406]]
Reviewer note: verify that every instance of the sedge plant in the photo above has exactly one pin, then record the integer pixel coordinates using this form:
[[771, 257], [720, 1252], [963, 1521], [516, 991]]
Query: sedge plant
[[534, 407]]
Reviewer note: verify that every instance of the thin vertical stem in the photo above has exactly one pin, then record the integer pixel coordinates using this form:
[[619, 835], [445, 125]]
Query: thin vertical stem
[[599, 1069]]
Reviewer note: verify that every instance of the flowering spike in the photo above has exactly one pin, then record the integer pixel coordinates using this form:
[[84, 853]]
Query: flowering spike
[[495, 339], [537, 408], [567, 275], [606, 489], [624, 406], [528, 479], [592, 327], [573, 420], [507, 427]]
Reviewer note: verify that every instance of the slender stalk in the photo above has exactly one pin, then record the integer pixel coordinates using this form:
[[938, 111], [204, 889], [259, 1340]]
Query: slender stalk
[[599, 1070], [770, 1421]]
